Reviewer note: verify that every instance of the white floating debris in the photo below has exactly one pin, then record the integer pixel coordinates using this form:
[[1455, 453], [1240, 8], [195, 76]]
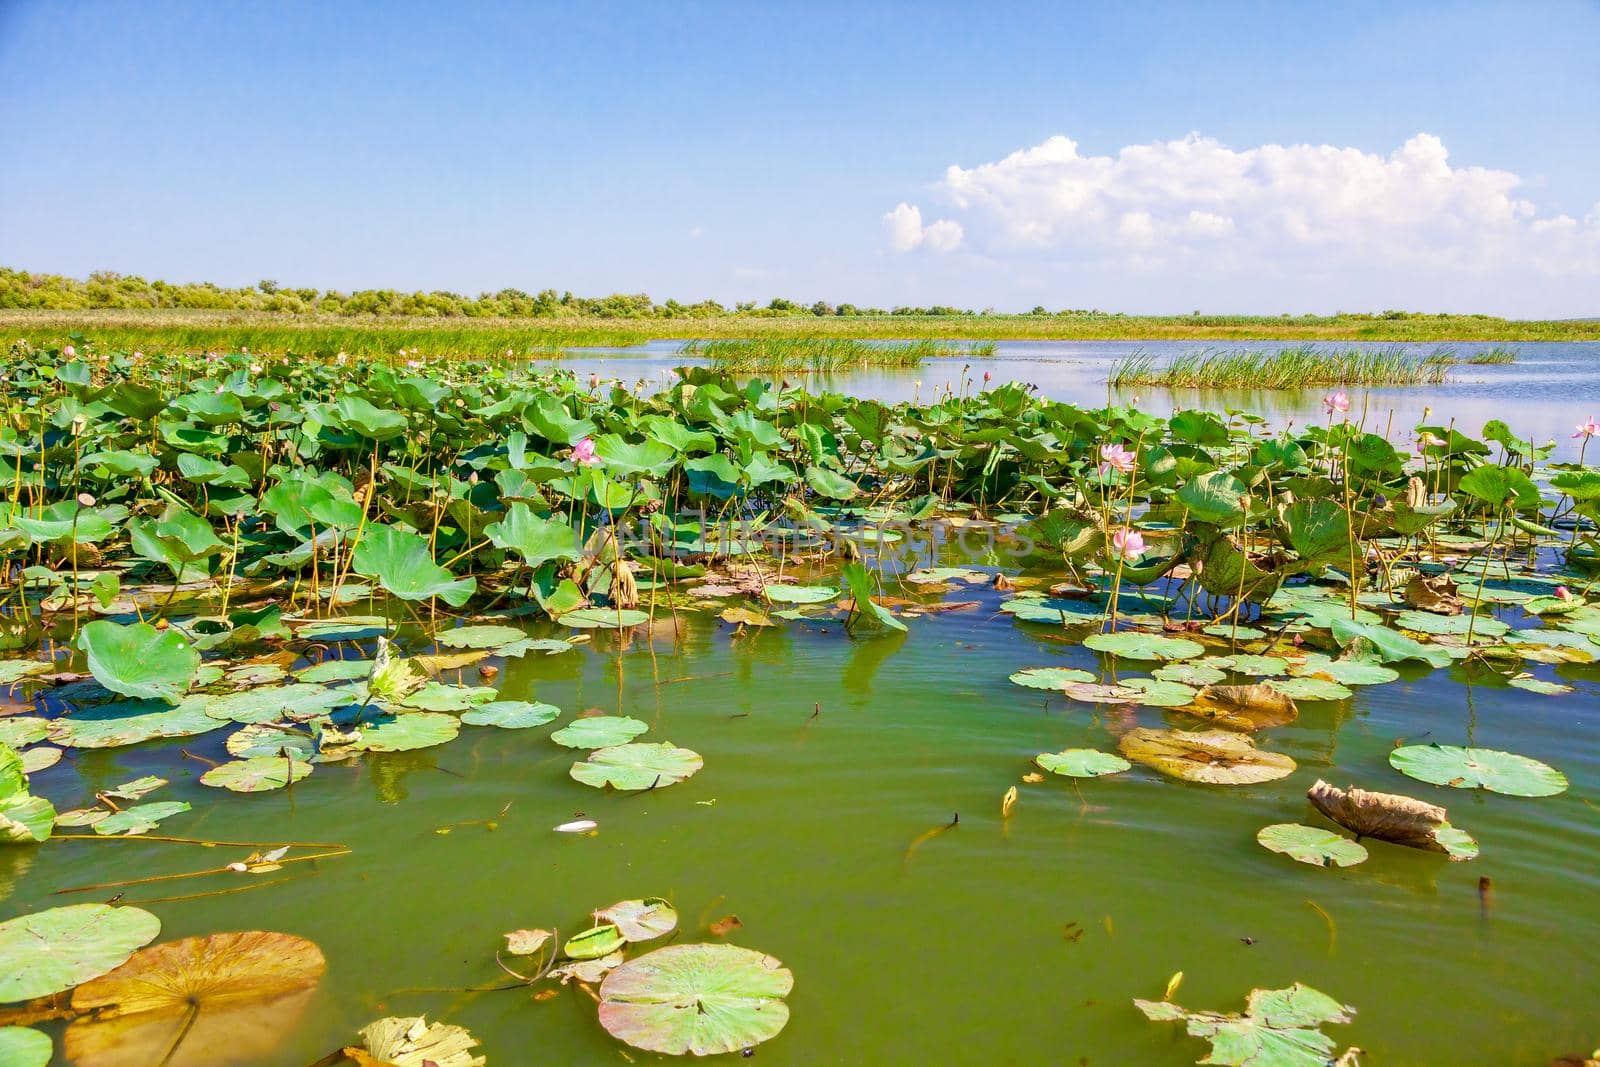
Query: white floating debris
[[579, 826]]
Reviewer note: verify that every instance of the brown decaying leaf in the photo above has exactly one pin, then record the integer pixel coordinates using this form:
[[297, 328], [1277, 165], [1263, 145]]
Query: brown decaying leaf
[[725, 925], [1217, 757], [1033, 777], [1390, 817], [1436, 594], [1008, 802], [1244, 707]]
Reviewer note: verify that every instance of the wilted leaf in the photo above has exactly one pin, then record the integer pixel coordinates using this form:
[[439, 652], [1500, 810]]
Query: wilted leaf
[[1391, 817]]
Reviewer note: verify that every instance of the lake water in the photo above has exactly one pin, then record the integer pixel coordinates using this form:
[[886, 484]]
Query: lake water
[[1550, 388]]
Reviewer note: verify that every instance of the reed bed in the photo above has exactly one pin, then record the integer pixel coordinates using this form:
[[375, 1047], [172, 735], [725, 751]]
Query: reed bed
[[821, 355], [1301, 367], [1496, 356]]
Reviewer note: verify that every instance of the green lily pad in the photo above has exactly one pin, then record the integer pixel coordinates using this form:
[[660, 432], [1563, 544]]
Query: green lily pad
[[1132, 645], [1311, 688], [261, 739], [1345, 671], [1312, 845], [637, 766], [13, 671], [139, 819], [19, 730], [1156, 693], [1200, 673], [511, 714], [407, 732], [800, 594], [335, 670], [51, 951], [479, 636], [640, 920], [1253, 666], [22, 1047], [940, 575], [702, 999], [276, 702], [1050, 677], [1081, 762], [257, 774], [403, 564], [43, 757], [1278, 1029], [1479, 768], [26, 820], [599, 731], [1522, 681], [139, 660], [604, 618], [1054, 611], [132, 721], [439, 696], [1457, 625]]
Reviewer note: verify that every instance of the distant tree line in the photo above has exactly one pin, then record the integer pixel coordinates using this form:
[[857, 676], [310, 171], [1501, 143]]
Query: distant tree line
[[20, 289]]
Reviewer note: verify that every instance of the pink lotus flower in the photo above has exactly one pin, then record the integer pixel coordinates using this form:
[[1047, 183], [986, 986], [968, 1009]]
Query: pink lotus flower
[[1427, 440], [1127, 544], [1339, 401], [1115, 457], [583, 454], [986, 377], [1588, 429], [1563, 593], [68, 352]]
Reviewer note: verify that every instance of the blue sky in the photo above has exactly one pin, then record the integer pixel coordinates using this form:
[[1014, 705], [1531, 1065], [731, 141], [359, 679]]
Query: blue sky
[[743, 151]]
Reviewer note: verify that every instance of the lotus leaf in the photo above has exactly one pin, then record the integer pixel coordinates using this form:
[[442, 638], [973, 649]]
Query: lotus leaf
[[138, 660], [414, 1042], [1081, 762], [406, 732], [598, 731], [479, 636], [132, 721], [1218, 757], [1308, 844], [699, 999], [600, 940], [256, 774], [637, 766], [603, 618], [1050, 677], [274, 703], [511, 714], [138, 819], [80, 942], [1479, 768], [1144, 646], [640, 920], [1391, 817], [22, 1047], [1279, 1028], [403, 564], [800, 594]]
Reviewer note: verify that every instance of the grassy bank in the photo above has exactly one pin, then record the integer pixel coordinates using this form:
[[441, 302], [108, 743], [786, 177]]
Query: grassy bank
[[1286, 368], [824, 354], [197, 331]]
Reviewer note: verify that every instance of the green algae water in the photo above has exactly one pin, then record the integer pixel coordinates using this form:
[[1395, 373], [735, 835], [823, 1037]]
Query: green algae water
[[828, 759]]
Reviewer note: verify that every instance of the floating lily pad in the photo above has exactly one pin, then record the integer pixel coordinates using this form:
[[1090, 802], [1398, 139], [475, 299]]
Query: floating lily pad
[[640, 920], [696, 999], [1279, 1028], [939, 575], [1254, 666], [1051, 677], [800, 594], [13, 671], [139, 660], [257, 774], [511, 714], [20, 730], [1525, 682], [1051, 610], [22, 1047], [550, 646], [599, 731], [138, 819], [637, 766], [336, 670], [263, 739], [1479, 768], [51, 951], [439, 696], [1345, 671], [276, 702], [39, 758], [1157, 693], [1132, 645], [1218, 757], [407, 732], [1312, 845], [1081, 762], [1196, 674], [1428, 623], [485, 636], [1311, 688], [603, 618], [132, 721], [414, 1042], [226, 997]]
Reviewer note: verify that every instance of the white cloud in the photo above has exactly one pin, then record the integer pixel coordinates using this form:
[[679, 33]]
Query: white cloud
[[696, 231], [1196, 203], [904, 229]]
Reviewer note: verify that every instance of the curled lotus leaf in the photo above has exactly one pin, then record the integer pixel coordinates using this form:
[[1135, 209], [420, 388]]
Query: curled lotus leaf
[[640, 920], [1391, 817], [1134, 645], [637, 766], [1217, 757], [1081, 763], [599, 731], [79, 942], [1479, 768], [703, 999], [1244, 707], [595, 942], [511, 714], [225, 997], [26, 820], [1051, 677], [1311, 844], [258, 774]]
